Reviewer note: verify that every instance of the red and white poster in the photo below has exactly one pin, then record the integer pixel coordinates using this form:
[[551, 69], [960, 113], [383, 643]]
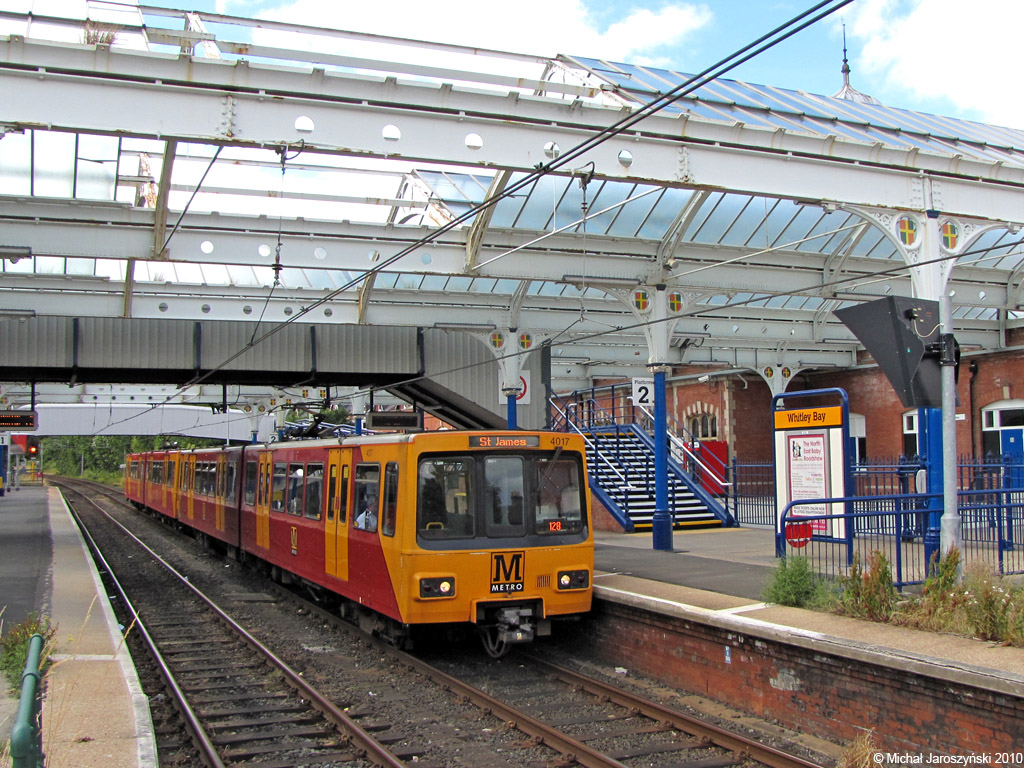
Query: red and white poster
[[808, 477]]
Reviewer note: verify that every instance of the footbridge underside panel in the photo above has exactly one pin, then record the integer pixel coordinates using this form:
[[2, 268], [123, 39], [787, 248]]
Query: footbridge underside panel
[[450, 374]]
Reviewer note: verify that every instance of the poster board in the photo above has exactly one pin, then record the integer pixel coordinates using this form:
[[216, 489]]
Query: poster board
[[811, 463]]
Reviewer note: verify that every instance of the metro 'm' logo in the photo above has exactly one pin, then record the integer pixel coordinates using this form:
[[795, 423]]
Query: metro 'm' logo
[[507, 571]]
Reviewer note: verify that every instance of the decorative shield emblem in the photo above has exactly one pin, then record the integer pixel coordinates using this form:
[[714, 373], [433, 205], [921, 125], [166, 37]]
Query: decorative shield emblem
[[906, 228], [950, 236], [497, 339], [675, 301], [641, 300], [525, 340]]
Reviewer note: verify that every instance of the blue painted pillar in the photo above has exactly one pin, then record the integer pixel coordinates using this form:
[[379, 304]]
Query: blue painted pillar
[[513, 421], [662, 524], [930, 444]]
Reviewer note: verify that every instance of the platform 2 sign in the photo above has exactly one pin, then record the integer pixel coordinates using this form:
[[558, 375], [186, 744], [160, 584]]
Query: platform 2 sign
[[810, 463]]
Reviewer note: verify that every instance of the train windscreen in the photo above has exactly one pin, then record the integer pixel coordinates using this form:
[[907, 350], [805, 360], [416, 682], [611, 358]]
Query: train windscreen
[[504, 496]]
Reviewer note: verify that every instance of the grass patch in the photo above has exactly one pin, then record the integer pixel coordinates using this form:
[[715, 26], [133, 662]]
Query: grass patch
[[859, 753], [14, 647]]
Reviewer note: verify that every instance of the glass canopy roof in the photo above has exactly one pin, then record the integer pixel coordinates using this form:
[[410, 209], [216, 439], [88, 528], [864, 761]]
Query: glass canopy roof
[[635, 222]]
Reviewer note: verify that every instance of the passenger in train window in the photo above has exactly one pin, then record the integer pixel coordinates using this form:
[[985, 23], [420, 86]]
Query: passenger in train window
[[367, 517]]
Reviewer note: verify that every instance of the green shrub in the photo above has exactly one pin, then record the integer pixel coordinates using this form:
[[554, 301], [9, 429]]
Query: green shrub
[[792, 583], [14, 647], [869, 594]]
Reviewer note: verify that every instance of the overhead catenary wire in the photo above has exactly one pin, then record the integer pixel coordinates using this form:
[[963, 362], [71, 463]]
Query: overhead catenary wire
[[763, 43], [707, 75], [639, 325]]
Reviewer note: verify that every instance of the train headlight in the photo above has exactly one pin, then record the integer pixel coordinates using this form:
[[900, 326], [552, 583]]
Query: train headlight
[[438, 586], [573, 579]]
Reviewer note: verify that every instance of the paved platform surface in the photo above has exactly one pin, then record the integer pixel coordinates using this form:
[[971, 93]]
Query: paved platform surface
[[722, 572], [95, 714]]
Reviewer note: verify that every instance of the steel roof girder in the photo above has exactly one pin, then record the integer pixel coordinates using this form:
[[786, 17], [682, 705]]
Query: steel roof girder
[[277, 83], [246, 119], [344, 246]]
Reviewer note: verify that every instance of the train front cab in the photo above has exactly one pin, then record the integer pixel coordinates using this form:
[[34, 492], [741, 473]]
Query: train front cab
[[500, 535], [506, 544]]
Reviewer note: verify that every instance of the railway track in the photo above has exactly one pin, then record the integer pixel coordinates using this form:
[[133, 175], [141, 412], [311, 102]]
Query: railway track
[[241, 703], [474, 711]]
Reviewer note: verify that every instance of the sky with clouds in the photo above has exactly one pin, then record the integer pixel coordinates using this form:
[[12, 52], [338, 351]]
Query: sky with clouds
[[928, 55]]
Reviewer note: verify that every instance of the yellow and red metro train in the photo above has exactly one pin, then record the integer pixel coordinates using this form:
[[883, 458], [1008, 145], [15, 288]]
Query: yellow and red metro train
[[482, 528]]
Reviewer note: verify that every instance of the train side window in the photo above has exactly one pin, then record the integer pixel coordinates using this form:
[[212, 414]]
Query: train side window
[[367, 496], [343, 502], [559, 506], [296, 475], [261, 487], [278, 487], [387, 526], [314, 491], [445, 498], [169, 478], [503, 496], [332, 490], [230, 486], [251, 481]]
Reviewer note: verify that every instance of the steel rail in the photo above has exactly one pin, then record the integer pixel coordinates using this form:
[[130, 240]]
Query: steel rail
[[571, 749], [361, 740], [201, 739], [718, 736]]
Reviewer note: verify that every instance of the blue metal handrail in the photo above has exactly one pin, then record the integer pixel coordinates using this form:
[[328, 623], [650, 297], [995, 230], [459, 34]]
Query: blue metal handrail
[[717, 475], [27, 732]]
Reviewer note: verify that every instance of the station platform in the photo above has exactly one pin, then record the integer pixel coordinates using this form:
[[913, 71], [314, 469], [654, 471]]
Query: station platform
[[718, 575], [95, 714]]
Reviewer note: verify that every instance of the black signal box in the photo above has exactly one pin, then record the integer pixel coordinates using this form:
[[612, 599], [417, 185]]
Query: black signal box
[[902, 334]]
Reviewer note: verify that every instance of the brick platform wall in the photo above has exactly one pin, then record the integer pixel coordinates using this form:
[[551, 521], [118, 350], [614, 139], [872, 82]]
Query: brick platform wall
[[812, 691]]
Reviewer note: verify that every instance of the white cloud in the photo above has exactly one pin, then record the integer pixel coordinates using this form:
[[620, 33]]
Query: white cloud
[[940, 50], [540, 27]]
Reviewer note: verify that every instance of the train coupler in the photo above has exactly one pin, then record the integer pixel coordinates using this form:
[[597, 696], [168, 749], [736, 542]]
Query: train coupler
[[516, 625]]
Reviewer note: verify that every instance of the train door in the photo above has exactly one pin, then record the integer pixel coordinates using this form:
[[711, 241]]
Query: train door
[[339, 468], [220, 492], [188, 485], [171, 481], [263, 500]]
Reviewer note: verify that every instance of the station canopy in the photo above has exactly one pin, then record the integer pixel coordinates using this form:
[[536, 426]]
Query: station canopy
[[168, 164]]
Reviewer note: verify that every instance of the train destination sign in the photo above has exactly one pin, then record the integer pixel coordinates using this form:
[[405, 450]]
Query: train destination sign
[[504, 441], [18, 421]]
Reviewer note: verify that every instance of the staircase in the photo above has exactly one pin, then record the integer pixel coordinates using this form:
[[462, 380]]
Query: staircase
[[621, 464]]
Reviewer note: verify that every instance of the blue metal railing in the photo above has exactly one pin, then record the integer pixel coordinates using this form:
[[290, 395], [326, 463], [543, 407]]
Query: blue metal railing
[[704, 474], [27, 732], [991, 532], [589, 413], [830, 541]]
